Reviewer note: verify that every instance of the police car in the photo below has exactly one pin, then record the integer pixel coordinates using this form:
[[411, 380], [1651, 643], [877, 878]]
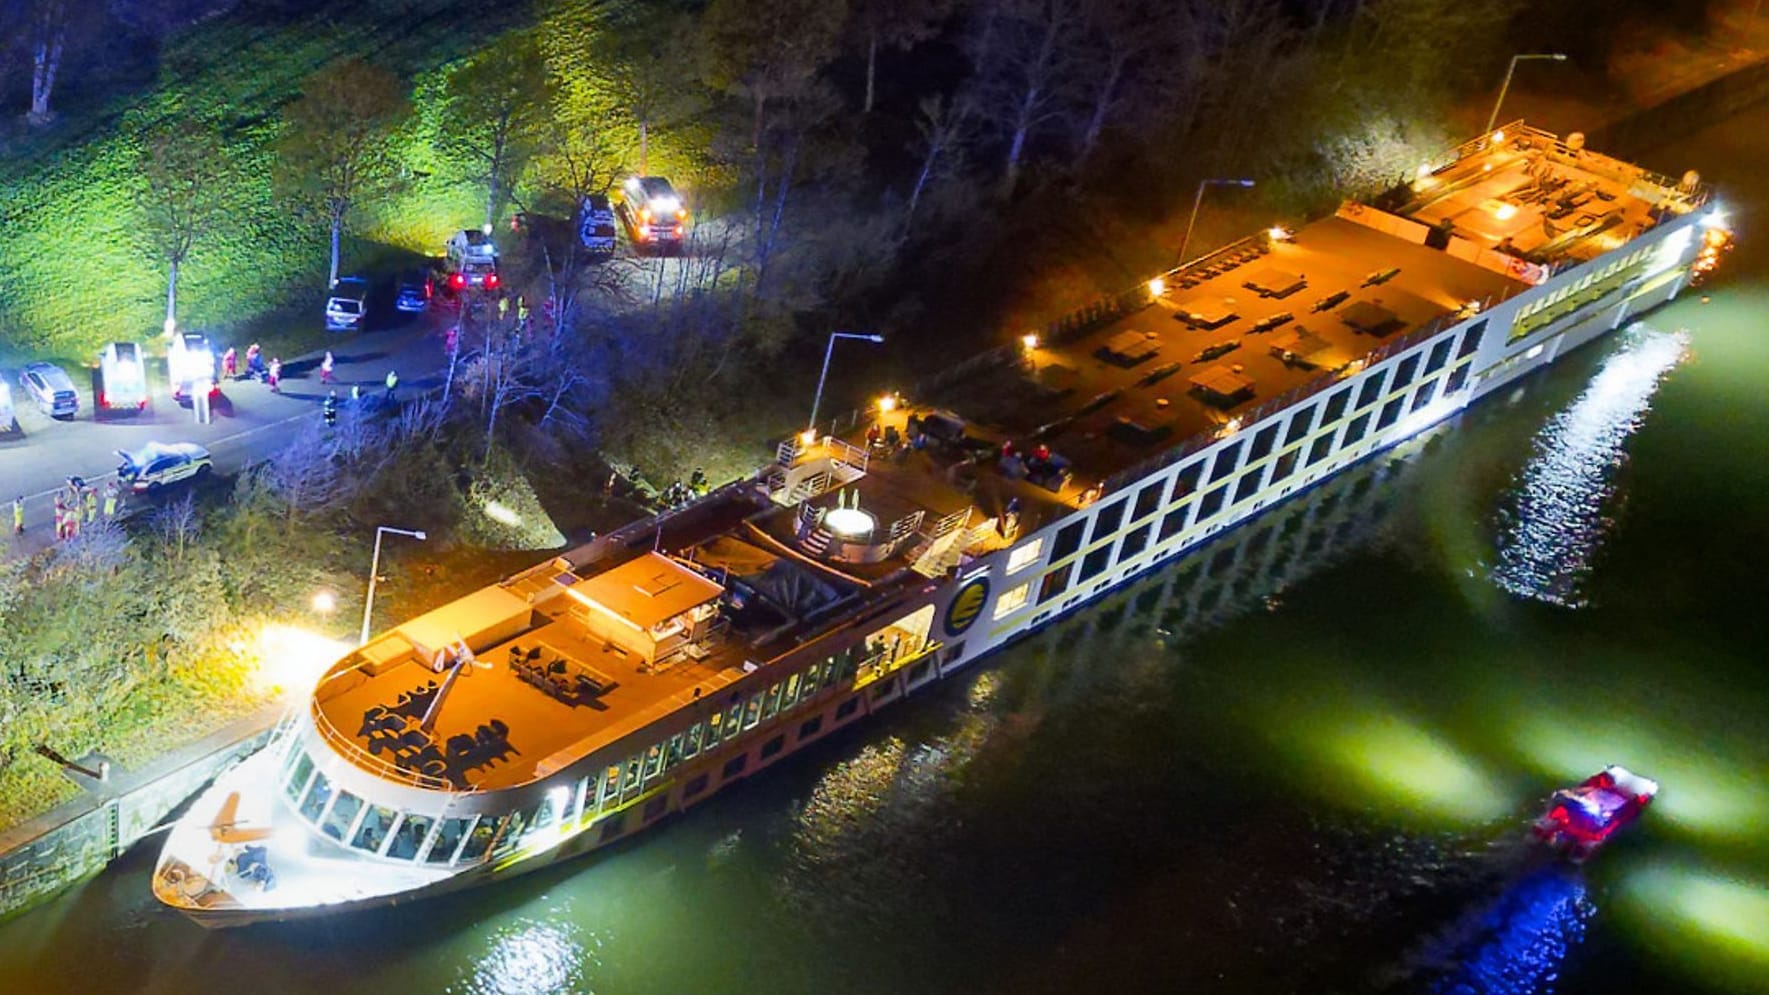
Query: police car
[[157, 464]]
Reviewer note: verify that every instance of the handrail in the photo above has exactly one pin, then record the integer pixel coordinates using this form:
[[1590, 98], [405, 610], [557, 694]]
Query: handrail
[[348, 748]]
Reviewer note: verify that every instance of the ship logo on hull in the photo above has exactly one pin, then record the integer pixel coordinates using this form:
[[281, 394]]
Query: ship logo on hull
[[966, 606]]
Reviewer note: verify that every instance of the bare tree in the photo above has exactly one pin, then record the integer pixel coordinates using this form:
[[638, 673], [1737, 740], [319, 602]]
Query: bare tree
[[1026, 54], [335, 148], [645, 78], [186, 173], [1125, 39], [942, 124], [50, 24], [768, 51], [177, 526], [496, 105], [895, 24]]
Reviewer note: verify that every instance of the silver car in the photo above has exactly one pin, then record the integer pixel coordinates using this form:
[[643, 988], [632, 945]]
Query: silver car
[[50, 387]]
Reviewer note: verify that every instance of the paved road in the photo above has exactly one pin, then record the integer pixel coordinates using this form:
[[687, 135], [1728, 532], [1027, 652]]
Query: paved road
[[39, 458]]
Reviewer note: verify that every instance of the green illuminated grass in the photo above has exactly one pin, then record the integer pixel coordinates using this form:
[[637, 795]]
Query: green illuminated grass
[[78, 275]]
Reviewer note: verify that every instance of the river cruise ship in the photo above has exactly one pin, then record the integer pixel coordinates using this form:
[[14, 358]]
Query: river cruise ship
[[593, 695]]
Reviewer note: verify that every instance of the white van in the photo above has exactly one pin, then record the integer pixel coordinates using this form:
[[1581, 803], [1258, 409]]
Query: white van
[[346, 305], [8, 420]]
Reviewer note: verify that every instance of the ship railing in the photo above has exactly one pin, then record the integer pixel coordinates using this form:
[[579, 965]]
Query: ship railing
[[361, 757]]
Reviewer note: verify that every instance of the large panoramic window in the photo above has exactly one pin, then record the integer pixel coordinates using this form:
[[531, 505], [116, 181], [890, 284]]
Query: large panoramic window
[[448, 839], [1335, 407], [343, 813], [1300, 423], [1186, 481], [373, 831], [1068, 540], [1225, 461], [1094, 564], [1147, 500], [1107, 521], [1054, 583]]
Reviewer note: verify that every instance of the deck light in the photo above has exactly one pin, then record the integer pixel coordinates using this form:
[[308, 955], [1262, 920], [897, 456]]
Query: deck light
[[1157, 287]]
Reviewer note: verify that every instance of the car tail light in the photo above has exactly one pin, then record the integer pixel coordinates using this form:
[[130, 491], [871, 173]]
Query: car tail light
[[457, 281], [681, 214], [491, 281], [645, 214], [678, 230]]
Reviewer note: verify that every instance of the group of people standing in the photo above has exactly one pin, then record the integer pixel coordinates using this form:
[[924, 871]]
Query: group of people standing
[[75, 505]]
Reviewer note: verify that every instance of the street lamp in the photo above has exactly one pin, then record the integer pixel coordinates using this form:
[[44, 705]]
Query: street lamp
[[1198, 201], [368, 605], [829, 351], [1515, 59]]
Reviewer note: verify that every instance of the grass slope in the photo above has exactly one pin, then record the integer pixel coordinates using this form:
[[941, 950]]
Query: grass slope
[[77, 273]]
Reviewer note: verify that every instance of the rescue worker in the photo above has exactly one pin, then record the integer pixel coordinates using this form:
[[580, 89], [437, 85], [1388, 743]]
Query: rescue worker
[[503, 308], [522, 313], [355, 392], [392, 383], [112, 495], [91, 505], [254, 360], [230, 363], [330, 409], [61, 517], [697, 480], [275, 376], [325, 368], [18, 515]]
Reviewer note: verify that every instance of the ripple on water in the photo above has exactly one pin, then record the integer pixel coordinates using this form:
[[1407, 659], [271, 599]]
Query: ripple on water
[[531, 957], [1556, 519]]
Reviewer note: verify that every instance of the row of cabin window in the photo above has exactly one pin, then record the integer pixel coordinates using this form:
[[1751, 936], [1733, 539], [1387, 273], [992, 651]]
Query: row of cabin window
[[1633, 259], [1253, 478], [1109, 519], [660, 758]]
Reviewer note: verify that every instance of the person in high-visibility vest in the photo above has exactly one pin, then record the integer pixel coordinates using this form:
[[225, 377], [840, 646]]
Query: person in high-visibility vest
[[110, 500], [91, 505], [392, 382], [18, 515], [503, 308]]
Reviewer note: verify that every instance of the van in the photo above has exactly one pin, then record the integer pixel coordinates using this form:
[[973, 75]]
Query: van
[[347, 304], [121, 388]]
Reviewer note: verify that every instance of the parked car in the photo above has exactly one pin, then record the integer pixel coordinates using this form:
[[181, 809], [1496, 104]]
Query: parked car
[[415, 290], [155, 465], [347, 304], [653, 212], [49, 386], [595, 225]]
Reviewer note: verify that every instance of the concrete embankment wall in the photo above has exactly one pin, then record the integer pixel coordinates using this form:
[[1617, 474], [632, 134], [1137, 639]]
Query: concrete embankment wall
[[1644, 134], [74, 841]]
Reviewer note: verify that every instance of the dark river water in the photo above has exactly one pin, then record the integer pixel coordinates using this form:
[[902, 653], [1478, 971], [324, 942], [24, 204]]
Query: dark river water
[[1303, 761]]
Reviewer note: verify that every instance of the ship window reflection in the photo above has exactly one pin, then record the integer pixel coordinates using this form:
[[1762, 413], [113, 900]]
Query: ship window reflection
[[479, 840], [317, 796], [410, 837], [303, 770], [342, 815], [448, 838], [373, 831]]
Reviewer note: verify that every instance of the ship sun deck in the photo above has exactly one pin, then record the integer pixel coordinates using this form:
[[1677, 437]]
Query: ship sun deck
[[551, 680]]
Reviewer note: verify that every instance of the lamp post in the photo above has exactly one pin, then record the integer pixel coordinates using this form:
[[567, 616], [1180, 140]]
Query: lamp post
[[368, 605], [1515, 59], [828, 351], [1198, 201]]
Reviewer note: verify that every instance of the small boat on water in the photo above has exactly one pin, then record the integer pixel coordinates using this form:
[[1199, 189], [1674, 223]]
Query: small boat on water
[[1580, 820]]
